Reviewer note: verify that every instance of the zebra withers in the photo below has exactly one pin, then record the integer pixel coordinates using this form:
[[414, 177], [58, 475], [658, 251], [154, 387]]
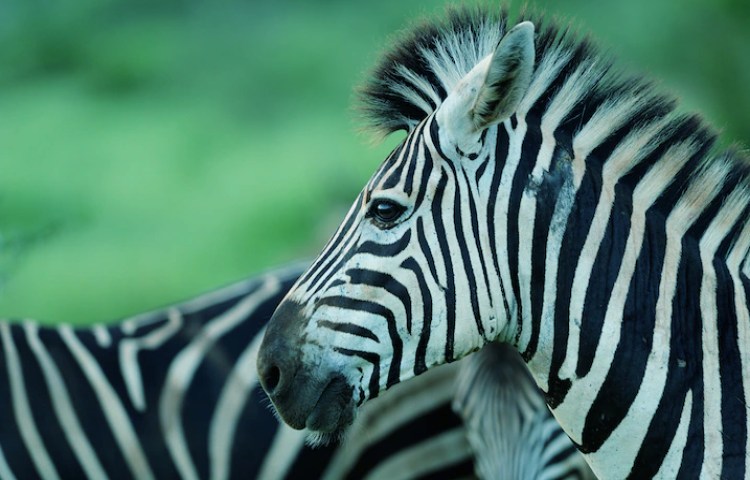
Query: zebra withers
[[546, 199]]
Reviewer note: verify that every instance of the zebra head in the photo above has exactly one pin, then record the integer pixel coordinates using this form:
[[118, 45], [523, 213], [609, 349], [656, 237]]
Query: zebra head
[[384, 301]]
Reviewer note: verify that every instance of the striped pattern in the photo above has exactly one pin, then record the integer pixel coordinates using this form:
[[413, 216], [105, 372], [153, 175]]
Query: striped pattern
[[510, 429], [173, 394], [594, 228]]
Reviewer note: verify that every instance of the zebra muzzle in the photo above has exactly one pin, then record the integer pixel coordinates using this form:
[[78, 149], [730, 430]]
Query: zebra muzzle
[[305, 396]]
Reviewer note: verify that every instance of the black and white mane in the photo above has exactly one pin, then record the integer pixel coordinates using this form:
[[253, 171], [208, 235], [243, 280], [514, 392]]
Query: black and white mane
[[422, 67]]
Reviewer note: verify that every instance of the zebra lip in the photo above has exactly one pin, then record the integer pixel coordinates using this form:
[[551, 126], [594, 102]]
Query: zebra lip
[[334, 410]]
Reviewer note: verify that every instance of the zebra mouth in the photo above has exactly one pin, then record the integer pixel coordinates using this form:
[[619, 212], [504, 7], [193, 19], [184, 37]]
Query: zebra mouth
[[334, 410]]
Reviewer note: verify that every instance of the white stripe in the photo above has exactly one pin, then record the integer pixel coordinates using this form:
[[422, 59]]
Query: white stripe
[[63, 407], [112, 408], [610, 116], [24, 418], [102, 336], [5, 472], [183, 368], [129, 348], [283, 452], [673, 460], [734, 264], [229, 407], [712, 420]]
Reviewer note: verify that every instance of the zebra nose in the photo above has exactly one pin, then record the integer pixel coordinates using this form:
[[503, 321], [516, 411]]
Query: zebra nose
[[278, 357], [276, 366], [272, 377]]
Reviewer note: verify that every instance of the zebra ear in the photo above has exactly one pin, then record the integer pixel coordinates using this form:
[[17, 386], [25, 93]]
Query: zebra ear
[[492, 90], [507, 78]]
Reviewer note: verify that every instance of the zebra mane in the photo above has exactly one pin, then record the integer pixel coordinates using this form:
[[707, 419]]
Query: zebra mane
[[570, 74], [424, 65]]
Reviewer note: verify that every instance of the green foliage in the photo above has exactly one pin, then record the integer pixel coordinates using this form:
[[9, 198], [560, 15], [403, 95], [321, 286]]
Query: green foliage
[[153, 150]]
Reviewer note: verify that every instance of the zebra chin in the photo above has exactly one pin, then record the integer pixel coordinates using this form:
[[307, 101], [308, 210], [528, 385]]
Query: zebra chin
[[306, 396]]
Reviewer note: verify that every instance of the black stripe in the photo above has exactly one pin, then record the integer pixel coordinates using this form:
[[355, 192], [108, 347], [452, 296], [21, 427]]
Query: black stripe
[[310, 463], [323, 263], [387, 164], [607, 265], [435, 138], [482, 168], [426, 298], [381, 311], [358, 276], [450, 288], [413, 158], [349, 328], [461, 240], [427, 167], [406, 152], [733, 401], [578, 225], [547, 194], [477, 235], [501, 154], [406, 436], [344, 255], [529, 150], [625, 375], [371, 357], [82, 396], [14, 449], [425, 248], [386, 250], [734, 413]]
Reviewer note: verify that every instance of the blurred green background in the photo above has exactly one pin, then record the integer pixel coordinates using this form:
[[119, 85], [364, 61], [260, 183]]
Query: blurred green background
[[151, 150]]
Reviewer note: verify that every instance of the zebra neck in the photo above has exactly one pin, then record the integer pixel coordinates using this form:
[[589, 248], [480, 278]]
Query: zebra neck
[[628, 268]]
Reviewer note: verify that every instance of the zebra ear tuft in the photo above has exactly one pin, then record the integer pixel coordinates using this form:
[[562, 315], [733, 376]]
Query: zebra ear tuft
[[491, 92], [507, 78]]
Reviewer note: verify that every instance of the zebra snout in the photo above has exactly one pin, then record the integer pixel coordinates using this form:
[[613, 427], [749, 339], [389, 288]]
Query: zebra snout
[[279, 374], [280, 368], [279, 356], [313, 396]]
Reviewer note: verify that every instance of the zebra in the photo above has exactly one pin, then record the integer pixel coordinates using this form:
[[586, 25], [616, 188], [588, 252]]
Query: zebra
[[544, 198], [173, 394]]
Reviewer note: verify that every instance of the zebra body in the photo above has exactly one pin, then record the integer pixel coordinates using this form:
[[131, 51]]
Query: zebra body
[[545, 199]]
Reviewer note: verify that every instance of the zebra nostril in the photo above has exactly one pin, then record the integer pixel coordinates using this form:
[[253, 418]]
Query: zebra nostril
[[273, 376]]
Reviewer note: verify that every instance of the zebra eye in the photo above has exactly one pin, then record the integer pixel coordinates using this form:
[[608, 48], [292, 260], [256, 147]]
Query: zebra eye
[[385, 211]]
